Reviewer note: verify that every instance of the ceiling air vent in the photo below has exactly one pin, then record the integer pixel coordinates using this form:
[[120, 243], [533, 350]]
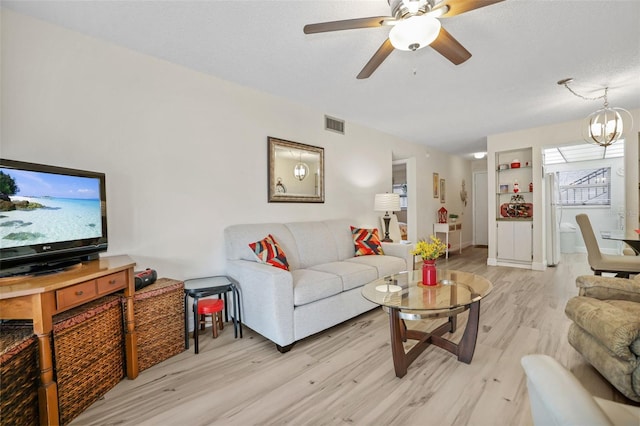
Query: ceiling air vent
[[334, 124]]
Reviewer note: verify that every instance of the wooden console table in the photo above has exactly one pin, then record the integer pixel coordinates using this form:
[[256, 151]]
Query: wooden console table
[[39, 298]]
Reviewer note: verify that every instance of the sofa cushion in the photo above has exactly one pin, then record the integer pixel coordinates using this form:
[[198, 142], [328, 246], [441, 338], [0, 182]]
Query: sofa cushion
[[385, 265], [366, 241], [633, 309], [351, 274], [314, 242], [613, 326], [341, 233], [268, 251], [310, 285], [238, 237]]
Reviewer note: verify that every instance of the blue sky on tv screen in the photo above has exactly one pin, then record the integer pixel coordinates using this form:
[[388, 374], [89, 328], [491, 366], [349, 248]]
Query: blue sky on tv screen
[[38, 184]]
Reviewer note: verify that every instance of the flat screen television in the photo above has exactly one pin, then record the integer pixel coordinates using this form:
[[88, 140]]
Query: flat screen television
[[50, 217]]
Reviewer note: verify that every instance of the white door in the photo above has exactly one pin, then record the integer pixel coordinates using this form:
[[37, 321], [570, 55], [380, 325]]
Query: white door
[[480, 209]]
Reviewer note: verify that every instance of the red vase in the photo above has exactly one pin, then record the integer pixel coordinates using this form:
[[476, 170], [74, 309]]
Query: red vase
[[429, 275]]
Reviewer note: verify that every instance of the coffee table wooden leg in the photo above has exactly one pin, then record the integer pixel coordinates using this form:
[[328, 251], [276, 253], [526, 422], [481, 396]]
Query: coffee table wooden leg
[[467, 345], [397, 349], [453, 321]]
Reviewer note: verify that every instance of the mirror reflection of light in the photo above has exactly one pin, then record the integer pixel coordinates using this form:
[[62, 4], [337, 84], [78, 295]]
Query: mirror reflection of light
[[300, 171]]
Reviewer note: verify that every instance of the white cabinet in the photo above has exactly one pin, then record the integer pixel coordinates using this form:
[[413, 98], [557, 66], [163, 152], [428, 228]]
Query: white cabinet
[[515, 241]]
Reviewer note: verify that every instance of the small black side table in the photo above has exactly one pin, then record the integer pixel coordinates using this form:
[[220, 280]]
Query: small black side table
[[209, 286]]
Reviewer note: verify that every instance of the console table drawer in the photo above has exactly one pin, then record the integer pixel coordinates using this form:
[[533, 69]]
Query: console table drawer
[[76, 294], [112, 282]]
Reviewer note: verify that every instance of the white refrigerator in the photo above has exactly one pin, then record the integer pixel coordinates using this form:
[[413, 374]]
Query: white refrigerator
[[553, 217]]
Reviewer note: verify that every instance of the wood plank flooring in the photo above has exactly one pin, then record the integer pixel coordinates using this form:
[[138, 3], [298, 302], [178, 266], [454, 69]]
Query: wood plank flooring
[[345, 375]]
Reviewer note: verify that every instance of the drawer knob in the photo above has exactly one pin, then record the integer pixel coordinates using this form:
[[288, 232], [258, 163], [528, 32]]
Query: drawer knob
[[112, 282], [79, 293]]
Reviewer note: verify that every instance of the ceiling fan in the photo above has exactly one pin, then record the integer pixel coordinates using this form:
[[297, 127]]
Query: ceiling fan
[[415, 25]]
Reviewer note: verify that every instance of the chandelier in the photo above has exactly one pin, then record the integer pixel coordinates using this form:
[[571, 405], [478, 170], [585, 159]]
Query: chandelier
[[605, 126]]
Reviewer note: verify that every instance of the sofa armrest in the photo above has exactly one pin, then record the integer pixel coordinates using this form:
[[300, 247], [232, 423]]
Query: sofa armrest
[[613, 327], [401, 250], [267, 299], [609, 288]]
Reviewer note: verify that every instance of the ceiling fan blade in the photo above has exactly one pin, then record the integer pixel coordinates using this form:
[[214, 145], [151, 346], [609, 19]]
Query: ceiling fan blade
[[347, 24], [381, 54], [450, 48], [457, 7]]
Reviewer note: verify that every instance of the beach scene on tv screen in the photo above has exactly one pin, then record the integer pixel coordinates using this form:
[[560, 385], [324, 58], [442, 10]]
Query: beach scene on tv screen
[[38, 208]]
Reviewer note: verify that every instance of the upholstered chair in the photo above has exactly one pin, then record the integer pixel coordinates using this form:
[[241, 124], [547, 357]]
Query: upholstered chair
[[558, 398], [606, 329], [622, 266]]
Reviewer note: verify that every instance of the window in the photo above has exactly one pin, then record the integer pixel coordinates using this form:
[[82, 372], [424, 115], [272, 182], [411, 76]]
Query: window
[[586, 187]]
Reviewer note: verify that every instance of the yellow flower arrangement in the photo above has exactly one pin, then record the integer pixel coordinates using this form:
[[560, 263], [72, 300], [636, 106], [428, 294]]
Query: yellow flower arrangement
[[429, 251]]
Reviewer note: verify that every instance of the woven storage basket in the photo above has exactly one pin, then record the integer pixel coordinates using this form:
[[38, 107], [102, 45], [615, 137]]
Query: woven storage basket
[[18, 374], [159, 313], [88, 346]]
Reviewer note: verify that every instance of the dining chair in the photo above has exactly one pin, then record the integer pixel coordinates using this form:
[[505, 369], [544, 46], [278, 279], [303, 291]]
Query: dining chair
[[622, 266]]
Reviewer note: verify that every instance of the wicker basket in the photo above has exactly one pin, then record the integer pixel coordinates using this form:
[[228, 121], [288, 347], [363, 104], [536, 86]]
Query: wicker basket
[[159, 313], [88, 346], [18, 374]]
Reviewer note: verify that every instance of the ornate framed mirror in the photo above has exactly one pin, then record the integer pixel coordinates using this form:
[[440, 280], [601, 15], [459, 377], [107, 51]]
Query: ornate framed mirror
[[296, 172]]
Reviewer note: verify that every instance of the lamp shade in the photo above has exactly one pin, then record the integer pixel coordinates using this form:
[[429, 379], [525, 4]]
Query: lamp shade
[[387, 202], [414, 32]]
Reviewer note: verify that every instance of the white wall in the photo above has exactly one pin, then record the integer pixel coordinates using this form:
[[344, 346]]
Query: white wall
[[185, 153]]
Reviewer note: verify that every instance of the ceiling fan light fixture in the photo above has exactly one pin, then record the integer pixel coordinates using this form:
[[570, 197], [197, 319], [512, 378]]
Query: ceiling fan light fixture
[[414, 32]]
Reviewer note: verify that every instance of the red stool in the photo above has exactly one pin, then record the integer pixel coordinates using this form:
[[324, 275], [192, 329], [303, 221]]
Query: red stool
[[214, 308]]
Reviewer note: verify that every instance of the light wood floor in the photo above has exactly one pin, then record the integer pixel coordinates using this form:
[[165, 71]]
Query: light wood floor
[[345, 375]]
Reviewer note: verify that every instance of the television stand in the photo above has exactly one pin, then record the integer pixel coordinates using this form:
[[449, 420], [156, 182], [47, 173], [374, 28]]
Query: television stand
[[39, 298]]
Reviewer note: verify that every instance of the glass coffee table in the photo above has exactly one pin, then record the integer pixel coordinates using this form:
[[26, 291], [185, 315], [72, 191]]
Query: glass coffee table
[[404, 297]]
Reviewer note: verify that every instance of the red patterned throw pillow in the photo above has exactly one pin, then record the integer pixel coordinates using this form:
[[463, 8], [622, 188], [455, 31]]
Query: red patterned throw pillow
[[366, 241], [269, 251]]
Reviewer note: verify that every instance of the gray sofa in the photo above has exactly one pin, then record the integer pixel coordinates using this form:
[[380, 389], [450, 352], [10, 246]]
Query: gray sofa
[[322, 287]]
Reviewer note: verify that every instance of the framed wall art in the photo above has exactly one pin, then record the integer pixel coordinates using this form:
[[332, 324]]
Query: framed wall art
[[436, 185], [442, 190]]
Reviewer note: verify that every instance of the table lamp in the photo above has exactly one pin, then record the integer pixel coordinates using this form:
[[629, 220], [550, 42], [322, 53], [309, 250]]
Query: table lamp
[[387, 203]]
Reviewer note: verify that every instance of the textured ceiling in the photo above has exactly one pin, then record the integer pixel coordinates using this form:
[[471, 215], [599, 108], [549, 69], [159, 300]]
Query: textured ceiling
[[520, 48]]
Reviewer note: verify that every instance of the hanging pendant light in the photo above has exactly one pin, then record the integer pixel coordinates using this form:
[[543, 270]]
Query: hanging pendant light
[[605, 126]]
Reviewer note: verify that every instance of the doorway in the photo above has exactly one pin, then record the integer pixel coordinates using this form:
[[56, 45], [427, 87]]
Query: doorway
[[587, 179], [480, 209], [404, 182]]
